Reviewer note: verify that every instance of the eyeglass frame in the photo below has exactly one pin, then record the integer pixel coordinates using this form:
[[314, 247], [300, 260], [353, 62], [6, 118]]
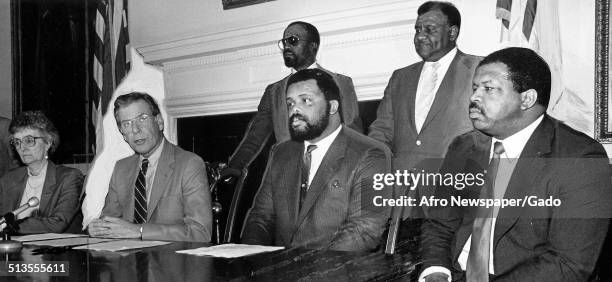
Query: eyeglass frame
[[18, 142], [140, 121], [283, 42]]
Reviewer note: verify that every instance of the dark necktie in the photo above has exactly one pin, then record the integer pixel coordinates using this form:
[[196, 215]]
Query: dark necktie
[[140, 195], [478, 258], [305, 172]]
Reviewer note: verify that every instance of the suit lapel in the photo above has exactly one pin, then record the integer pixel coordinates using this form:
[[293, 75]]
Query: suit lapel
[[330, 163], [532, 161], [163, 172], [49, 187], [476, 160], [130, 173], [413, 82], [291, 179], [281, 129], [15, 192], [453, 83]]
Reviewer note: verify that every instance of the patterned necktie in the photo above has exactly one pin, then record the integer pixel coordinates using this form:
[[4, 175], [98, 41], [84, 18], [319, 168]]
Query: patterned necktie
[[140, 195], [478, 258], [427, 95], [305, 173]]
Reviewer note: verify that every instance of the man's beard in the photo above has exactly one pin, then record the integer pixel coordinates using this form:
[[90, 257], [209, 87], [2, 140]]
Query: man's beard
[[312, 130]]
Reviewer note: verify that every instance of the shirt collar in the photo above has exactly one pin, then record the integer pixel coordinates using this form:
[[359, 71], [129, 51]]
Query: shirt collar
[[43, 170], [324, 143], [445, 60], [314, 65], [153, 158], [514, 144]]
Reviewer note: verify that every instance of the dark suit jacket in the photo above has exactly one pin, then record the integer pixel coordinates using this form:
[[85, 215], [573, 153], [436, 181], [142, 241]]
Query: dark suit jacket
[[179, 205], [59, 202], [337, 212], [8, 159], [272, 117], [531, 243], [447, 118]]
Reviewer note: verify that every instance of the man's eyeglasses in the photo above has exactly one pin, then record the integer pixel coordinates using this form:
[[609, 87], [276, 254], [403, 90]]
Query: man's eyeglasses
[[126, 125], [28, 141], [292, 40]]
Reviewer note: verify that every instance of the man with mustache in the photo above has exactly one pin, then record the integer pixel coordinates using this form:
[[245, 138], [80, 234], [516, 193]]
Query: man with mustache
[[422, 109], [317, 191], [299, 46], [526, 155]]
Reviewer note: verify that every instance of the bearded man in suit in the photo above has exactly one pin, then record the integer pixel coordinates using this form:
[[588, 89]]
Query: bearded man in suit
[[529, 158], [317, 190], [159, 193], [299, 46]]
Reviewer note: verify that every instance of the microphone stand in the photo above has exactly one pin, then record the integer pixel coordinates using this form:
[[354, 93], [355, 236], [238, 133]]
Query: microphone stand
[[7, 245]]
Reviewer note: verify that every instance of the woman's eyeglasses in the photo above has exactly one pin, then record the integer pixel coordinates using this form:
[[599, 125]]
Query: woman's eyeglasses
[[28, 141]]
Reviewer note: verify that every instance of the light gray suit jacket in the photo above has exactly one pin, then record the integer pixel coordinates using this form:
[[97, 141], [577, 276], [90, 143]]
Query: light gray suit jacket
[[179, 205]]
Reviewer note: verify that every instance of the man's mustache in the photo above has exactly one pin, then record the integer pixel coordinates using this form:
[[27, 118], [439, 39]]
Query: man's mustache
[[288, 53], [297, 116], [473, 105]]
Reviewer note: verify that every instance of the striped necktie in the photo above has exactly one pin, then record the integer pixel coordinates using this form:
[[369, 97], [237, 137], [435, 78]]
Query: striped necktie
[[425, 98], [305, 173], [140, 195], [478, 259]]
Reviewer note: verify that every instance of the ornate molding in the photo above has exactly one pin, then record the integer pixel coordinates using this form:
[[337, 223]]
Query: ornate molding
[[261, 40], [370, 87]]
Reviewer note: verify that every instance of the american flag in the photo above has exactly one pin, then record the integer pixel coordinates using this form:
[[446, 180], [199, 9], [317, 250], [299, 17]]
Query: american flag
[[535, 24], [111, 59]]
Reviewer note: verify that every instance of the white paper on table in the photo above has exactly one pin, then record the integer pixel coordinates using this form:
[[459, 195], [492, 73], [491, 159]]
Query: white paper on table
[[121, 245], [45, 236], [230, 250], [70, 242]]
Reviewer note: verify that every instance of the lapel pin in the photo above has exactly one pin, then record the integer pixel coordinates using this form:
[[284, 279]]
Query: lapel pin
[[336, 184]]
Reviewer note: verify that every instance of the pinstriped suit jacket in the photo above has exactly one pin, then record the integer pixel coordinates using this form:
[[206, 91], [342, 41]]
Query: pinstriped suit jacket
[[337, 212]]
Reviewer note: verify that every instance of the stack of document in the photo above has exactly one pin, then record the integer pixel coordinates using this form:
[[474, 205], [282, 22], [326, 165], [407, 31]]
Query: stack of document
[[230, 250], [121, 245], [84, 242]]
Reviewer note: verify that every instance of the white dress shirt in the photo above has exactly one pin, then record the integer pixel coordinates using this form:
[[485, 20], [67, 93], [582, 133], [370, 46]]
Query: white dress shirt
[[151, 168], [513, 147], [34, 187], [318, 154], [314, 65], [444, 64]]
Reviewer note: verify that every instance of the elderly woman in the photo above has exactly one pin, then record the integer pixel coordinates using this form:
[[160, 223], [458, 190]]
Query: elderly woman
[[58, 187]]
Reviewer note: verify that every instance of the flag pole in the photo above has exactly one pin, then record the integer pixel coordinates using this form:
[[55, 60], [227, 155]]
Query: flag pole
[[87, 86]]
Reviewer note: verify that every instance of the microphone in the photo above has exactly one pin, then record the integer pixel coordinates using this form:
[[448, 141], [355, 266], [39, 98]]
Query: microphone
[[32, 202]]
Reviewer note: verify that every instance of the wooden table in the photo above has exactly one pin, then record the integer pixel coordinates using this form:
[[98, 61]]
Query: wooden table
[[162, 263]]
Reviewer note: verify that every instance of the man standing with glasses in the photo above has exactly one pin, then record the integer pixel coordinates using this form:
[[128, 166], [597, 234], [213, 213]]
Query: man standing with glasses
[[159, 193], [299, 46]]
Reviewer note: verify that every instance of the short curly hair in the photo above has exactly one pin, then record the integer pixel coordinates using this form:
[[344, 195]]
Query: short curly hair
[[37, 120]]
